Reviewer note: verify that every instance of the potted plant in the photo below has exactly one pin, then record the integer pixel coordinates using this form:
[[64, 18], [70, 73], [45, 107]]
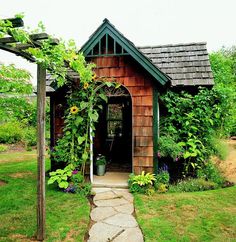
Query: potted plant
[[101, 165]]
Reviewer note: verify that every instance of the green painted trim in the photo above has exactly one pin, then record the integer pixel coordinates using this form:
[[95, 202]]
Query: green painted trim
[[106, 44], [108, 55], [155, 129], [108, 28]]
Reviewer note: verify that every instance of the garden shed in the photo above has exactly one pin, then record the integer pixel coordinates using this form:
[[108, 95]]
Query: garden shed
[[127, 131]]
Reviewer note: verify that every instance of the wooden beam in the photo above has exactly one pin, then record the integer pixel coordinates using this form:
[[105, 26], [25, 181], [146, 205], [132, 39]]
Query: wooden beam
[[40, 36], [16, 52], [41, 105], [16, 22], [35, 43]]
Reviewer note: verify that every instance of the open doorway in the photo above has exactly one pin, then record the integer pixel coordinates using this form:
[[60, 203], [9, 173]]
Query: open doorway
[[113, 135]]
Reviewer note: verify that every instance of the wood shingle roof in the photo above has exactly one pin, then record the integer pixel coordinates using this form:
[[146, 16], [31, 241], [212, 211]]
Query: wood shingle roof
[[186, 64], [180, 64]]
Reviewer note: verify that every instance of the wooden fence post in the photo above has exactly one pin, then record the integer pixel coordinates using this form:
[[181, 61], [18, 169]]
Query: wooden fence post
[[41, 103]]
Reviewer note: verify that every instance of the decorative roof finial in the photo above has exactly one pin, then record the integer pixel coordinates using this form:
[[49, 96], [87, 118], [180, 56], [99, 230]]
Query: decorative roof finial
[[106, 20]]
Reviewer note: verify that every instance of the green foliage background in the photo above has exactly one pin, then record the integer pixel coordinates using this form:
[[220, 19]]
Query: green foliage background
[[17, 107], [196, 122], [223, 64]]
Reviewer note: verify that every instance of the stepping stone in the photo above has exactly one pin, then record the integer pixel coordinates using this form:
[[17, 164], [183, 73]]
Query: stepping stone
[[111, 202], [100, 213], [125, 194], [105, 196], [100, 189], [122, 220], [113, 217], [130, 235], [101, 232], [127, 208]]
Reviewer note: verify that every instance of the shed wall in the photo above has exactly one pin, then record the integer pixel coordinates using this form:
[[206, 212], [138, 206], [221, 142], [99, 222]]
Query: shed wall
[[124, 70]]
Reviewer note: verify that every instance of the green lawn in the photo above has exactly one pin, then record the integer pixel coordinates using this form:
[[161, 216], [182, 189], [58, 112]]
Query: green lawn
[[67, 215], [198, 216]]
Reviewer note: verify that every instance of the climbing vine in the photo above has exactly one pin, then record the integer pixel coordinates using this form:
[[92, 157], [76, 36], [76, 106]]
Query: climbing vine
[[84, 101]]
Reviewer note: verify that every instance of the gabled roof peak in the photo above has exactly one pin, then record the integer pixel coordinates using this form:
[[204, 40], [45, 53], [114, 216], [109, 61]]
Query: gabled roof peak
[[107, 29]]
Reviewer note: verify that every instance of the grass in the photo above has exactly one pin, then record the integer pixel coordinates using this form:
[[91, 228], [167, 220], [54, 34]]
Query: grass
[[17, 156], [196, 216], [67, 215]]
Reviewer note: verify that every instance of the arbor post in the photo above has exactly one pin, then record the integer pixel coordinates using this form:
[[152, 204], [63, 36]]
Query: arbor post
[[41, 104]]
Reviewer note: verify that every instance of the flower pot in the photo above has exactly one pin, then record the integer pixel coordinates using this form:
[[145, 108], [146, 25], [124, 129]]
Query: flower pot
[[101, 170]]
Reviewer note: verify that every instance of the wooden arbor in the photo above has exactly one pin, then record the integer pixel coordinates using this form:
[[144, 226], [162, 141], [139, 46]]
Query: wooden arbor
[[11, 45]]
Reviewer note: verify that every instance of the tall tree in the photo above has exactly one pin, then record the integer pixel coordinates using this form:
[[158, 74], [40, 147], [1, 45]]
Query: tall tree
[[14, 80]]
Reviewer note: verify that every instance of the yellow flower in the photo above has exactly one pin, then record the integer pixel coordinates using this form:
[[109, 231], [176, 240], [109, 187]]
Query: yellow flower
[[74, 110], [86, 85], [94, 76]]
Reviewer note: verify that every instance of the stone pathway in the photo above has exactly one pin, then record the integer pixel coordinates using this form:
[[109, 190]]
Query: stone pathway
[[113, 217]]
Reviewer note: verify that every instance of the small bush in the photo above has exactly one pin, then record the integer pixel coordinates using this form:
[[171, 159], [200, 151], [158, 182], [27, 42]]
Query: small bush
[[193, 185], [163, 177], [142, 183], [211, 173], [162, 188], [168, 147], [3, 148], [84, 189], [30, 136], [162, 181], [11, 132]]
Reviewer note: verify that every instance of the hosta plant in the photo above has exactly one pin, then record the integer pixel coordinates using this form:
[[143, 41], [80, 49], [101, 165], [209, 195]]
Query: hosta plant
[[142, 183], [61, 176]]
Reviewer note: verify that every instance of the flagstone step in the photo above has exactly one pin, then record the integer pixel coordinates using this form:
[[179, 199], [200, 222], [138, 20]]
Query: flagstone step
[[113, 216]]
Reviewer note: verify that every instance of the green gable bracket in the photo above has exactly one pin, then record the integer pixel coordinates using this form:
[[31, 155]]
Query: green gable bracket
[[107, 28]]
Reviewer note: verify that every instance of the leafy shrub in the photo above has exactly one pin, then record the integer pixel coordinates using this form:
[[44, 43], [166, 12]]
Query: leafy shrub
[[168, 147], [11, 132], [192, 120], [83, 189], [77, 177], [211, 173], [162, 181], [30, 136], [61, 177], [223, 67], [18, 108], [193, 185], [3, 148], [142, 183], [70, 180], [163, 177], [162, 188]]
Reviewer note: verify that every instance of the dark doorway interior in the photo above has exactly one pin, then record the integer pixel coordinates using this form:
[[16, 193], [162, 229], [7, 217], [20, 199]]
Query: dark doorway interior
[[113, 136]]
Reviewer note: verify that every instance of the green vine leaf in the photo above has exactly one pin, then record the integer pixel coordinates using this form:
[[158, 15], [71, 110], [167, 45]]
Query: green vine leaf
[[93, 116], [80, 140], [78, 120], [85, 156]]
